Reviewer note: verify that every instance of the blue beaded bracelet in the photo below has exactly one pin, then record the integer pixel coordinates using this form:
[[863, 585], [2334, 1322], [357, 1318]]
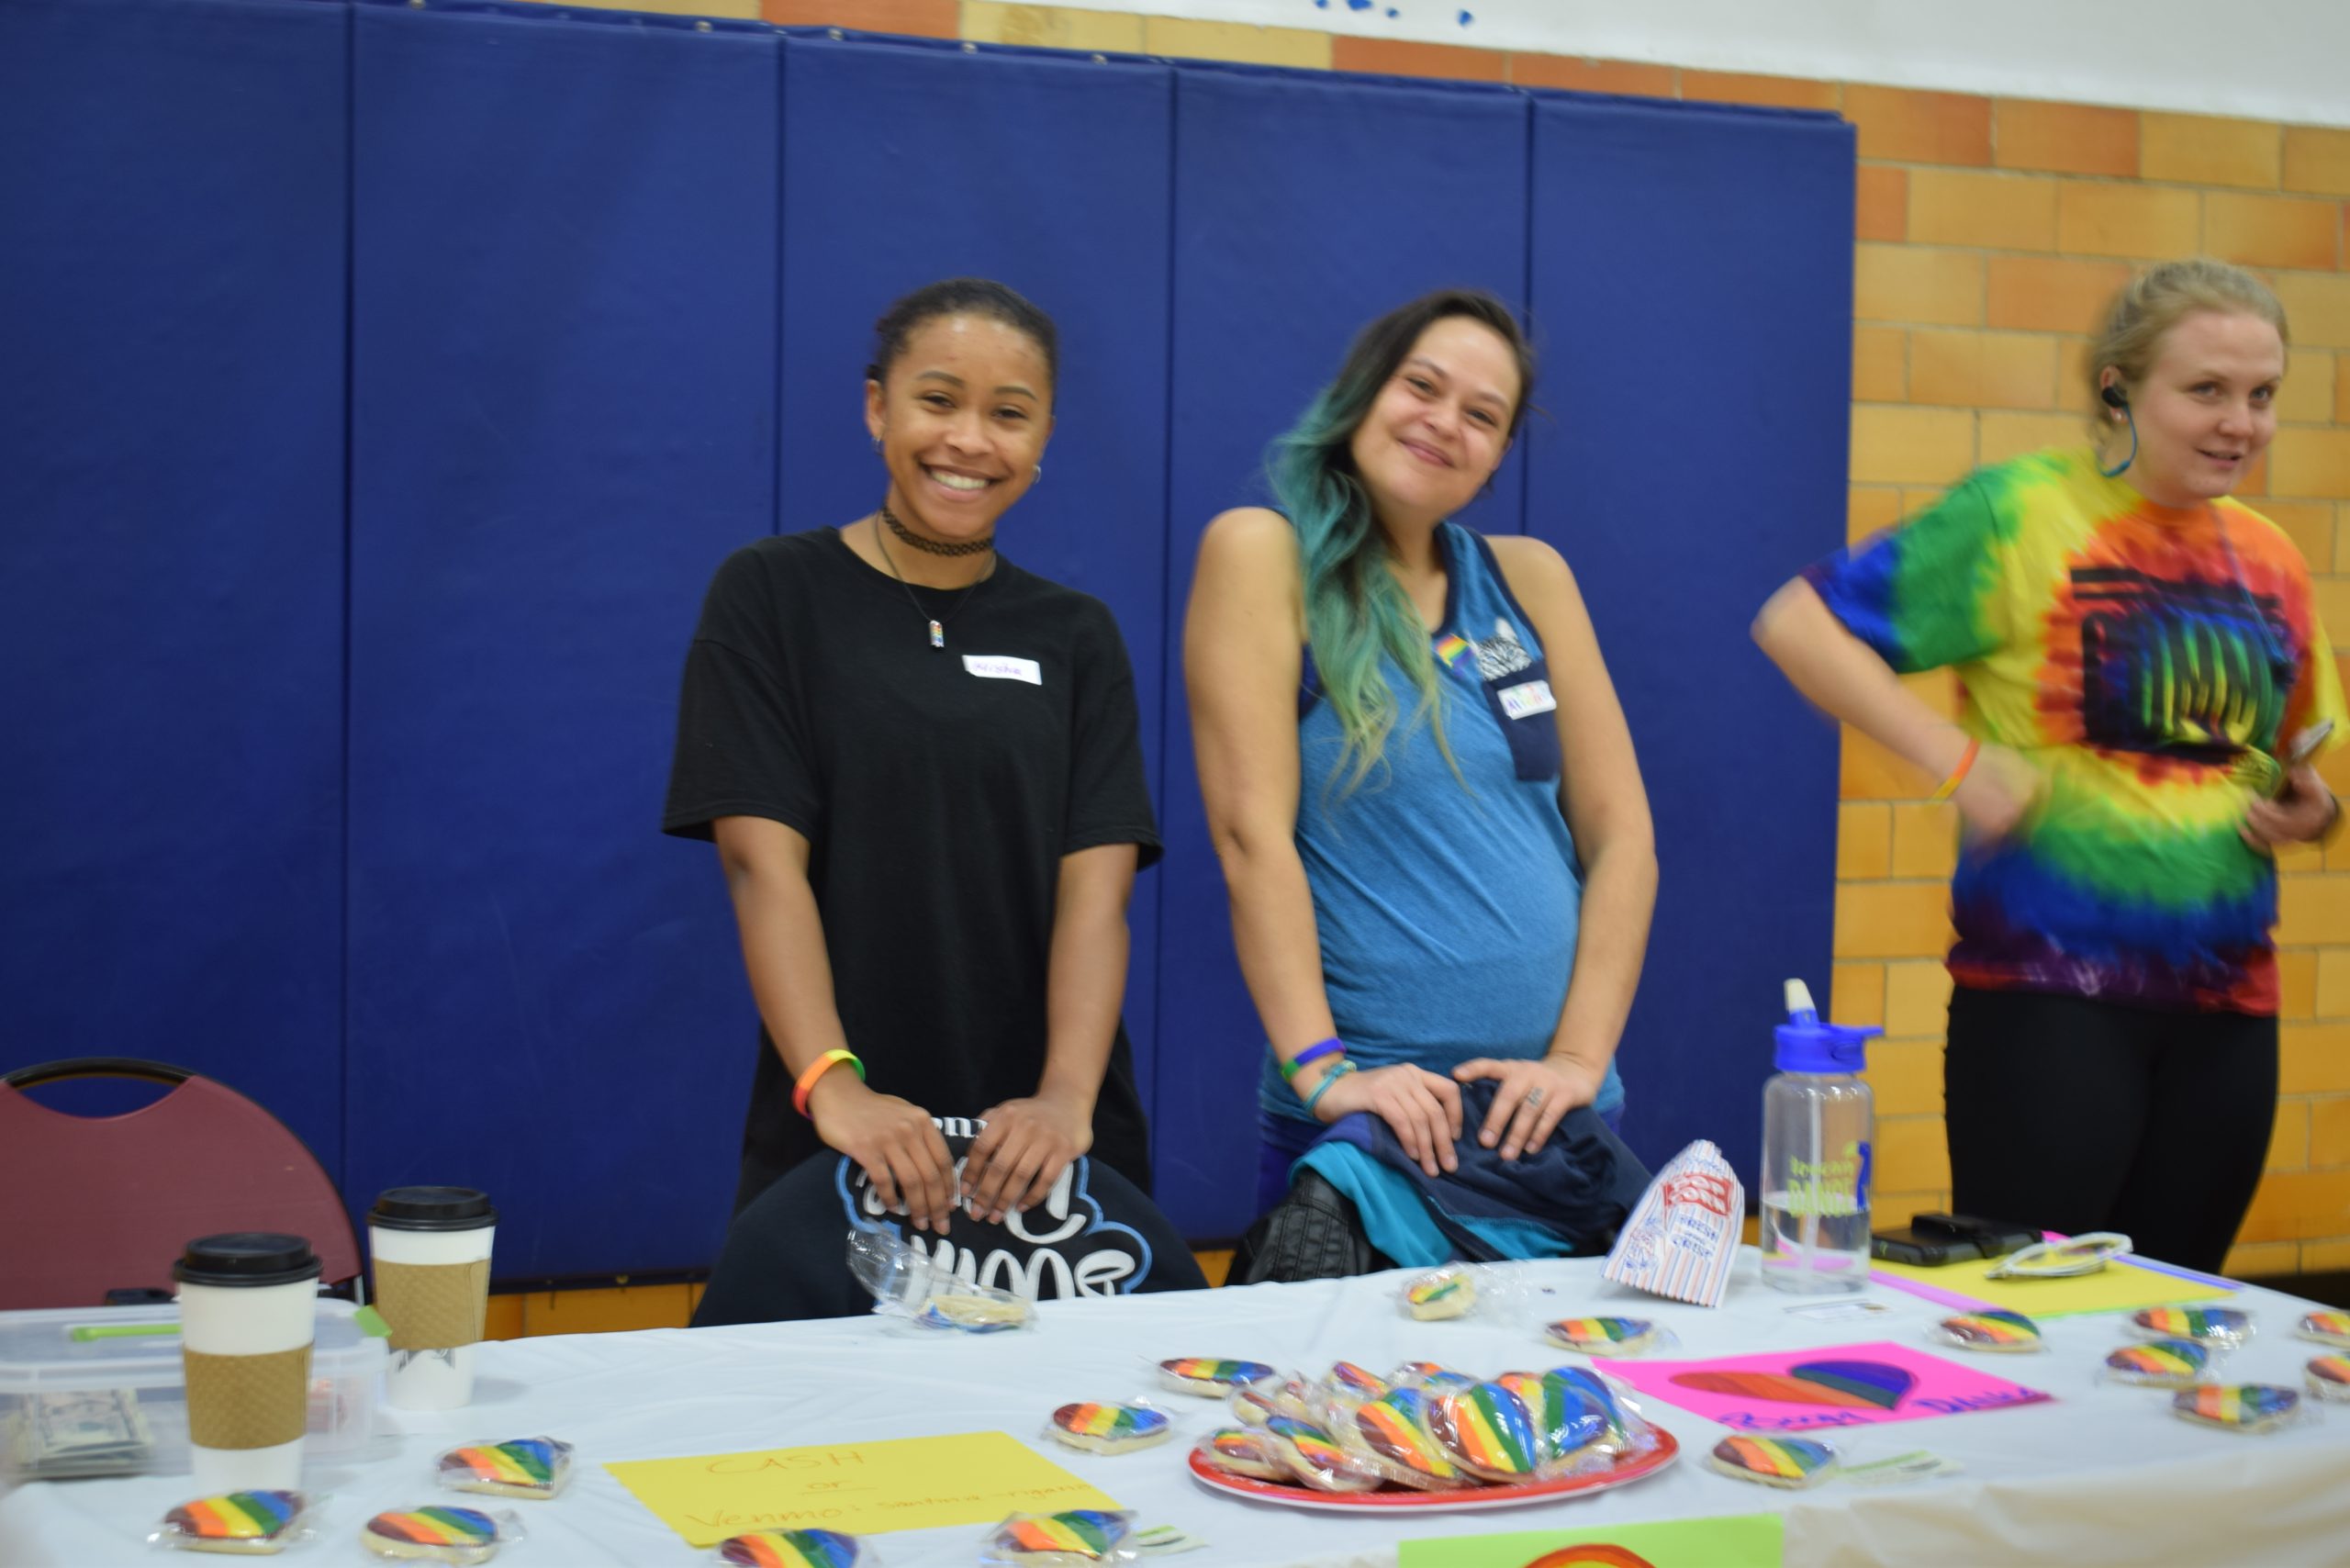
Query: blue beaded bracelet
[[1314, 1052], [1336, 1073]]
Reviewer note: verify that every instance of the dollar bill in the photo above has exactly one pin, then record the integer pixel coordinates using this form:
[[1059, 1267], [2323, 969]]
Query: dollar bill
[[88, 1428]]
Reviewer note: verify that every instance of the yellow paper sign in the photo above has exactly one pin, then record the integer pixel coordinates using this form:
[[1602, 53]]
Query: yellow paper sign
[[971, 1478], [2117, 1287]]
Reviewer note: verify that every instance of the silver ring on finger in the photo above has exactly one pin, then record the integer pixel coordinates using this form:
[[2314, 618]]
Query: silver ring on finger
[[1534, 1097]]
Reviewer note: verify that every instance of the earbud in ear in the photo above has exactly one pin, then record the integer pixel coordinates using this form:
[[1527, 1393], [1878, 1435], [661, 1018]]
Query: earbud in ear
[[2113, 396]]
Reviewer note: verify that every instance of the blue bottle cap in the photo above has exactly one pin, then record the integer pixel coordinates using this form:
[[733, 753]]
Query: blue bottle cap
[[1807, 1045]]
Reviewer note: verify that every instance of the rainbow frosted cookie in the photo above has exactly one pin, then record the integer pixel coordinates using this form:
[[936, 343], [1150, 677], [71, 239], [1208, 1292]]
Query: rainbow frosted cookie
[[2326, 1327], [2328, 1376], [1989, 1331], [1314, 1458], [1254, 1404], [1351, 1379], [1448, 1293], [1210, 1378], [452, 1535], [1486, 1432], [2165, 1363], [1391, 1432], [1789, 1462], [1110, 1428], [1618, 1434], [1432, 1377], [1602, 1336], [1565, 1422], [1241, 1451], [2237, 1408], [256, 1523], [1255, 1407], [526, 1467], [2210, 1324], [791, 1549], [1060, 1541]]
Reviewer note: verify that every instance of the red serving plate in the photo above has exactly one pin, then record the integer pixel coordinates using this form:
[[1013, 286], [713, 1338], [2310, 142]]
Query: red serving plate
[[1392, 1499]]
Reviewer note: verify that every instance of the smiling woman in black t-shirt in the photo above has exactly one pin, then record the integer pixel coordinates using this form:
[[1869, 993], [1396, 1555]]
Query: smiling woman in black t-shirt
[[922, 768]]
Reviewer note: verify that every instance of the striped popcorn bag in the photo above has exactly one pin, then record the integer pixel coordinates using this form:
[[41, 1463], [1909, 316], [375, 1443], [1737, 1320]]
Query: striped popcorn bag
[[1683, 1237]]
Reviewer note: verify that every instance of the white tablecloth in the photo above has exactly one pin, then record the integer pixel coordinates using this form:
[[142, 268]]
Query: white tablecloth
[[2104, 1475]]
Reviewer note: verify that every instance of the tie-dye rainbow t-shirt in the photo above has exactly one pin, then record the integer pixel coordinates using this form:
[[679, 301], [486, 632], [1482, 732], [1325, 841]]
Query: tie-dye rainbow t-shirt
[[2152, 663]]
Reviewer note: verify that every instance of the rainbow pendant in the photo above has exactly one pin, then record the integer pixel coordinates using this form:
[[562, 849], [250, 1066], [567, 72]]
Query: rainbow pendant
[[937, 635]]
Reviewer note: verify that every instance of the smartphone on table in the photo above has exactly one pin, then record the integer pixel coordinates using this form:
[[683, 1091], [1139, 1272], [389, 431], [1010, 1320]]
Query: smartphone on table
[[1932, 1240]]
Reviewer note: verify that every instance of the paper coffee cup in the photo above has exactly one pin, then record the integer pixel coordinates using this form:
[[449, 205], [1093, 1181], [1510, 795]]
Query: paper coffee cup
[[249, 1309], [432, 1251]]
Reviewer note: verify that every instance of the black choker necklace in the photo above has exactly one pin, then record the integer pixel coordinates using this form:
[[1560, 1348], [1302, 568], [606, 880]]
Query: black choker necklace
[[932, 546], [937, 625]]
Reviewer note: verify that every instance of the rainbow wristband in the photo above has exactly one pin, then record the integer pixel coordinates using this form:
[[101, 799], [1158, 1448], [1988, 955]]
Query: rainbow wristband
[[1311, 1053], [817, 1070]]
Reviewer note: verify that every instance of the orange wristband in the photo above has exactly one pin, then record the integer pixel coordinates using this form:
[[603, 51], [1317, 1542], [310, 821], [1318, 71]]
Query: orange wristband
[[1958, 775], [817, 1070]]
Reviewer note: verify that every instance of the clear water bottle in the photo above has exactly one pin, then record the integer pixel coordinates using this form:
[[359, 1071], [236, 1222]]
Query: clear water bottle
[[1817, 1121]]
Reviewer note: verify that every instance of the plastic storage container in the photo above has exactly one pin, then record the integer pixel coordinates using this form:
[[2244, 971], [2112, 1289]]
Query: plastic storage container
[[79, 1396], [1818, 1120]]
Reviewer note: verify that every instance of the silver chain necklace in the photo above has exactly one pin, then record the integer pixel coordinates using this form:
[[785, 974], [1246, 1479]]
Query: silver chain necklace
[[937, 626]]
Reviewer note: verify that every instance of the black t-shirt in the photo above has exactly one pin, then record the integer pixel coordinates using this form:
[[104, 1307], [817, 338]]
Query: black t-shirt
[[938, 791]]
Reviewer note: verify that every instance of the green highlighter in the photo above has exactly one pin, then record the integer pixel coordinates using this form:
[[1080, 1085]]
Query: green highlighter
[[83, 1333]]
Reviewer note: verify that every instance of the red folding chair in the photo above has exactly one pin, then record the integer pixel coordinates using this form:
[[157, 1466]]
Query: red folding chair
[[90, 1204]]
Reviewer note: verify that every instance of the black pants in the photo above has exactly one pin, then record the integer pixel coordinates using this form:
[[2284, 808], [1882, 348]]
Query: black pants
[[2074, 1115]]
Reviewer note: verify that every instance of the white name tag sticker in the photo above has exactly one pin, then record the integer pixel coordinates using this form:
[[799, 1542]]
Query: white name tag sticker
[[1525, 700], [999, 667]]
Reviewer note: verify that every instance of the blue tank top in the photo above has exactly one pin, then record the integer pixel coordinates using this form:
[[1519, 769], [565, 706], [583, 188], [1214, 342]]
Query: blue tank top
[[1448, 916]]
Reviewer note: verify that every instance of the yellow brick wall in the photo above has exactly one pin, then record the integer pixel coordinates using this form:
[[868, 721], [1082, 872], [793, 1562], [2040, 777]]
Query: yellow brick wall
[[1988, 233]]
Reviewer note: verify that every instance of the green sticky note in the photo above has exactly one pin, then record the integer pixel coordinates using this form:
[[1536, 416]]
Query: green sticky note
[[1736, 1540], [371, 1323]]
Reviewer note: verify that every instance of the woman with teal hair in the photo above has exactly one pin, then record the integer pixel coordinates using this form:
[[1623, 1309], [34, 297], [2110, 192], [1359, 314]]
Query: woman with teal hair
[[1418, 779]]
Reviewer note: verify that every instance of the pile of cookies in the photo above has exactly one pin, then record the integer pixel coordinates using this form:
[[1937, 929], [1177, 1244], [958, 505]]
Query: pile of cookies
[[1424, 1426]]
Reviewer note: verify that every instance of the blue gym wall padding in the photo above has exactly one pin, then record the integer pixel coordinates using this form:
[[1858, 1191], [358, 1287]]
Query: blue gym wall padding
[[562, 420], [904, 163], [509, 323], [171, 493], [1304, 206], [1693, 274]]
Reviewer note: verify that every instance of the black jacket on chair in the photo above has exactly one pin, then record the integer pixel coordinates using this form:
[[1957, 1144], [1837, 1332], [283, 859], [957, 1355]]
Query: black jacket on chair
[[1581, 1184]]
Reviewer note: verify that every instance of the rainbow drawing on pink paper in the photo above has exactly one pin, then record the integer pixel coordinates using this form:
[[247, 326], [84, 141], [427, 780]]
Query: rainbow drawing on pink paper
[[1843, 1385]]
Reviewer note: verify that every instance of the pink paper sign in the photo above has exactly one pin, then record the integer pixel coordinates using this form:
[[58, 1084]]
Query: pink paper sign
[[1845, 1386]]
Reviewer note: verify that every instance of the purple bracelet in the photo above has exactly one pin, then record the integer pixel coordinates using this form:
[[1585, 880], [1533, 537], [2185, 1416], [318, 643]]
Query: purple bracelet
[[1313, 1053]]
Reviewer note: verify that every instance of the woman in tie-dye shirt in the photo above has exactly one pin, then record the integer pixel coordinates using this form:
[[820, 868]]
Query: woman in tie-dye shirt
[[2141, 661]]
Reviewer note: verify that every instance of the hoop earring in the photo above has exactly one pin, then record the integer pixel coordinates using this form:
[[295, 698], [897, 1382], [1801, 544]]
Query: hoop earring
[[877, 443], [1038, 476]]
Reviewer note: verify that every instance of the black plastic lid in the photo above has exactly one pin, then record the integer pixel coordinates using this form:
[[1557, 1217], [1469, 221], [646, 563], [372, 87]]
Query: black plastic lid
[[432, 1208], [247, 1258]]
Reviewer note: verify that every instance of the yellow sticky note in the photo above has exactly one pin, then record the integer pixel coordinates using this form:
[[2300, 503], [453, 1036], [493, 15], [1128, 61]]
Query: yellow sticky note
[[2118, 1287], [970, 1478]]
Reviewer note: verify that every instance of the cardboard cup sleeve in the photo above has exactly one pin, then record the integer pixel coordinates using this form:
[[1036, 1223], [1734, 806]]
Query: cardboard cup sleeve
[[433, 1306], [248, 1402]]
